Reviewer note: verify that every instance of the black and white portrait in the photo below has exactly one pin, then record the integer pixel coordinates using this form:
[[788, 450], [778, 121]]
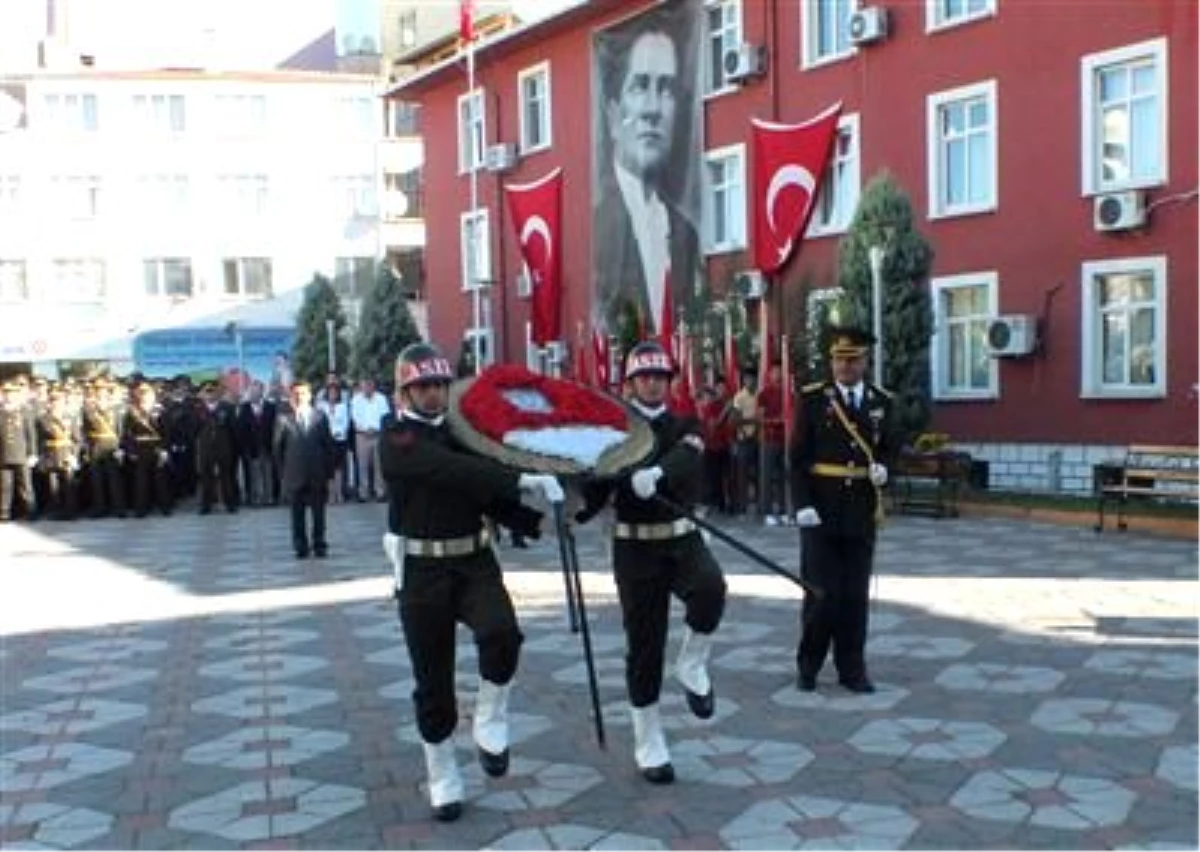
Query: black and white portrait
[[647, 120]]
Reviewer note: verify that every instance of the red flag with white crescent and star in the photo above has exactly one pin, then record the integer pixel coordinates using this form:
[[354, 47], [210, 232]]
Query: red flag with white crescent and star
[[536, 210], [466, 21], [788, 162]]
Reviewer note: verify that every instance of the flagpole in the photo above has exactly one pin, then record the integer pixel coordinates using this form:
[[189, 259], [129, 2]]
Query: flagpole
[[476, 297], [764, 335]]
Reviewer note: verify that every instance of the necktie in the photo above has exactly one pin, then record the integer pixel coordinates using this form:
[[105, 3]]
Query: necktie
[[852, 399]]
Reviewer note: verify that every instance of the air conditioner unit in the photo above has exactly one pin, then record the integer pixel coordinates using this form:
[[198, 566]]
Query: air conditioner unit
[[524, 284], [1011, 336], [1119, 211], [500, 158], [869, 24], [750, 284], [556, 351], [744, 62]]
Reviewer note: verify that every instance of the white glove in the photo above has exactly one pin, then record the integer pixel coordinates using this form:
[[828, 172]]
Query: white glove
[[119, 455], [393, 546], [808, 517], [162, 457], [32, 461], [878, 475], [645, 481], [544, 482]]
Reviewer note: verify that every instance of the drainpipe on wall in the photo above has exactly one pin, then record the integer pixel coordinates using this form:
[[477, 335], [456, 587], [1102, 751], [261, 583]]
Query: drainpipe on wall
[[500, 329]]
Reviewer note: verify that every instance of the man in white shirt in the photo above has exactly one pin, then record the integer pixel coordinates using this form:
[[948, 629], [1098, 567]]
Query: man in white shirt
[[367, 410]]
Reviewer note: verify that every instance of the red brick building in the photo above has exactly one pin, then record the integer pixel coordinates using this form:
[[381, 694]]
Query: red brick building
[[1050, 153]]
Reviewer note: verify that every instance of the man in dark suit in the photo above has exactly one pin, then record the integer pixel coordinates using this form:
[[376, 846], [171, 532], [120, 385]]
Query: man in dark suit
[[841, 451], [216, 449], [645, 249], [255, 432], [304, 456]]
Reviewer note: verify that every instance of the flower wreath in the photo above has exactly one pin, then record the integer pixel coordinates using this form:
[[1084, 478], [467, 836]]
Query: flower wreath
[[489, 404]]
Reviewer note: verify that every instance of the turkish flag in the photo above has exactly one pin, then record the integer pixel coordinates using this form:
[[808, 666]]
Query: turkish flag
[[536, 210], [466, 20], [787, 165]]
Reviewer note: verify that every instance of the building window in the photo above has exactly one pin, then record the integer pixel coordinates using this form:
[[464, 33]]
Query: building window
[[963, 305], [355, 196], [10, 196], [77, 197], [724, 19], [163, 195], [485, 345], [356, 117], [837, 198], [160, 113], [476, 249], [168, 276], [72, 112], [1124, 327], [248, 276], [245, 196], [353, 276], [406, 197], [407, 266], [826, 28], [13, 285], [242, 115], [470, 131], [726, 199], [1125, 117], [403, 119], [76, 280], [534, 85], [950, 13], [406, 29], [962, 150]]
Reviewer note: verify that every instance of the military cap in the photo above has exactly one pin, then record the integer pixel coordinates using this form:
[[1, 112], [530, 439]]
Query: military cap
[[849, 342]]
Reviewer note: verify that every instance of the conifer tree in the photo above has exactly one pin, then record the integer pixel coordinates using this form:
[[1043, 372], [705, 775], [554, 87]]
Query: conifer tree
[[310, 349], [386, 326]]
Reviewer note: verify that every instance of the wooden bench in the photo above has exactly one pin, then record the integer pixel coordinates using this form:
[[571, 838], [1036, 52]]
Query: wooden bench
[[928, 483], [1152, 473]]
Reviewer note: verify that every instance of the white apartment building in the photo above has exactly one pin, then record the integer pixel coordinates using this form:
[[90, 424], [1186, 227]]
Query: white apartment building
[[139, 202]]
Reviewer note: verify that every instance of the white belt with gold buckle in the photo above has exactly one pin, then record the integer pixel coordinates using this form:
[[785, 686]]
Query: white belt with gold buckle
[[654, 532]]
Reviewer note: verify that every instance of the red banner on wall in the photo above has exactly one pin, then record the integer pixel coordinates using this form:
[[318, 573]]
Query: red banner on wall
[[536, 210]]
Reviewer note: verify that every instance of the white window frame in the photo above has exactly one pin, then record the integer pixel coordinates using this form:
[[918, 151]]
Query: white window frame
[[935, 104], [159, 267], [356, 196], [163, 195], [1090, 67], [74, 112], [468, 221], [347, 270], [245, 196], [77, 268], [729, 37], [1092, 384], [10, 196], [14, 274], [939, 365], [472, 131], [734, 158], [936, 19], [810, 17], [542, 70], [242, 114], [486, 345], [850, 165], [240, 268], [156, 113], [77, 197]]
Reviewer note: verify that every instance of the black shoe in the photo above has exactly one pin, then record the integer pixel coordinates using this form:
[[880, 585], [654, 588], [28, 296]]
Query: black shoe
[[861, 684], [448, 812], [493, 764], [806, 682], [664, 774], [702, 706], [205, 510], [321, 553], [301, 554]]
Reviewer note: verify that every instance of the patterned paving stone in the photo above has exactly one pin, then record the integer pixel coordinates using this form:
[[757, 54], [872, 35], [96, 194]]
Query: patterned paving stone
[[533, 784], [1042, 798], [90, 679], [768, 659], [810, 822], [273, 745], [1102, 716], [928, 739], [258, 810], [1178, 765], [43, 825], [1144, 664], [732, 762], [108, 649], [829, 696], [71, 716], [522, 728], [264, 667], [573, 836], [42, 767], [275, 699], [262, 639], [915, 646]]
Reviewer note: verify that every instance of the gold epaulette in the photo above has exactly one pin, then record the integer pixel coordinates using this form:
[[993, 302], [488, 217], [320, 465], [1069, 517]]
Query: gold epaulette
[[882, 391], [813, 386]]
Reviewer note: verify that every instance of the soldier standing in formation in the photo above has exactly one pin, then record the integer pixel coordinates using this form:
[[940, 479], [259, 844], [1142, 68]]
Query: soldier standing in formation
[[18, 454], [840, 457], [101, 419], [450, 573], [658, 553], [58, 458], [216, 450], [145, 447]]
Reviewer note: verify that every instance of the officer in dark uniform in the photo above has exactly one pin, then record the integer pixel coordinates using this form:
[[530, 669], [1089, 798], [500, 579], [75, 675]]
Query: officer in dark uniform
[[216, 450], [101, 420], [841, 451], [18, 454], [58, 457], [657, 553], [144, 445], [181, 422], [450, 573]]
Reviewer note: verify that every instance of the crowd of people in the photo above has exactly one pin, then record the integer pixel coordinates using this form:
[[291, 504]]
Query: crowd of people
[[105, 447]]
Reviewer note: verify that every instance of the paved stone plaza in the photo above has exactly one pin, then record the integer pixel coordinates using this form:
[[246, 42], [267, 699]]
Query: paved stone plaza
[[184, 683]]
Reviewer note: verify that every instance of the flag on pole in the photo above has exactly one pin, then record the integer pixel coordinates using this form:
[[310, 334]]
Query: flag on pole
[[787, 165], [466, 21], [536, 210], [788, 390]]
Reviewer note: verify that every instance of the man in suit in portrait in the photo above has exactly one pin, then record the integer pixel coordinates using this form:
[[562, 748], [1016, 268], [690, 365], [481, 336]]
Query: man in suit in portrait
[[304, 455], [645, 247]]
